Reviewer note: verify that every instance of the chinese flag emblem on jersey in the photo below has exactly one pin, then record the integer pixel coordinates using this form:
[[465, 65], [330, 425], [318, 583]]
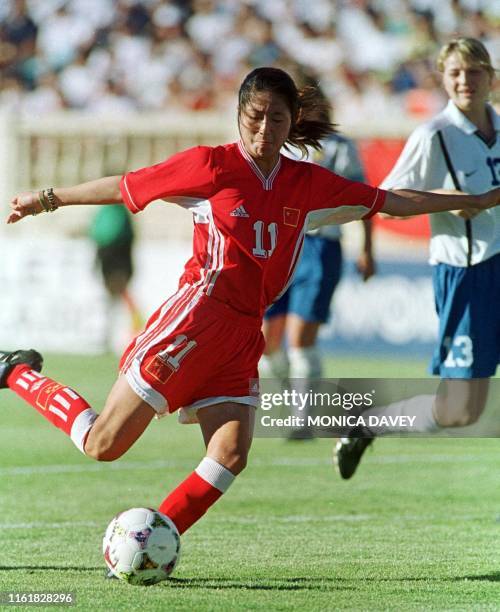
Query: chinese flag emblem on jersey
[[159, 369], [291, 216]]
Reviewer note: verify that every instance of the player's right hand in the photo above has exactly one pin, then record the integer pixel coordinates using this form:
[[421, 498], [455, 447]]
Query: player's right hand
[[24, 204], [489, 199]]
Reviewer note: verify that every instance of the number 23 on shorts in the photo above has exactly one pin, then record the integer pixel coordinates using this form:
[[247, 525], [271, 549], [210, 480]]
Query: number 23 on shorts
[[460, 354]]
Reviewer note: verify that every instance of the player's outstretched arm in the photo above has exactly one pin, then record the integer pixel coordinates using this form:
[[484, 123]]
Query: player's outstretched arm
[[468, 213], [406, 202], [101, 191]]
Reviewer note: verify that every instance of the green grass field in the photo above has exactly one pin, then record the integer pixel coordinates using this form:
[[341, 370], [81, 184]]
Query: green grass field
[[418, 528]]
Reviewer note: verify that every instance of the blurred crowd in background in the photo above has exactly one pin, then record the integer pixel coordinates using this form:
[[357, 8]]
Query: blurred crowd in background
[[372, 57]]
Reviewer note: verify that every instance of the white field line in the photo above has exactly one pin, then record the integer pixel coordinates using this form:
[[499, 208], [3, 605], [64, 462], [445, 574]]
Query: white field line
[[160, 464], [253, 520], [42, 525], [239, 520], [27, 470]]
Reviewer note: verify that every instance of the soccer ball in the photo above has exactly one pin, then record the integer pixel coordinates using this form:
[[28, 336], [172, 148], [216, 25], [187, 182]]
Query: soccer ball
[[141, 546]]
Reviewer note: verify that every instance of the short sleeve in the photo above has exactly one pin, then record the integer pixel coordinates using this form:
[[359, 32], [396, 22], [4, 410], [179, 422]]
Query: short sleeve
[[419, 164], [186, 174]]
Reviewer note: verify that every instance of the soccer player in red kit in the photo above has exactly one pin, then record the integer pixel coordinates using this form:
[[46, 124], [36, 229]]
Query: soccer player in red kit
[[251, 207]]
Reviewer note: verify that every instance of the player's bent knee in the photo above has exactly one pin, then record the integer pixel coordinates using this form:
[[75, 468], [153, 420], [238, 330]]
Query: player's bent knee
[[103, 448], [120, 424], [102, 454]]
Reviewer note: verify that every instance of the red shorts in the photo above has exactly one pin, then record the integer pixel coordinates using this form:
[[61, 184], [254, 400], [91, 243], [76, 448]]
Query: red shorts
[[194, 352]]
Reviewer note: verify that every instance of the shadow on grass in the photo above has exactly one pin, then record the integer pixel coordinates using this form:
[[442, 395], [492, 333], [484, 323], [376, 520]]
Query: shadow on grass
[[495, 577], [266, 584], [299, 583], [312, 584]]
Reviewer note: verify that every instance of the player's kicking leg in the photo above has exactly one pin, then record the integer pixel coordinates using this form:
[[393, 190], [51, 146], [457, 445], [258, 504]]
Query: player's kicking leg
[[104, 437]]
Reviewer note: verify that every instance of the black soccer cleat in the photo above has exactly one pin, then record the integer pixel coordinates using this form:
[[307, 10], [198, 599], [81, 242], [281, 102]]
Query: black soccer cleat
[[348, 451], [10, 359]]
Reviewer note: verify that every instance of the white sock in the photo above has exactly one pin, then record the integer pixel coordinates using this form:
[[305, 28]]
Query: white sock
[[215, 474], [274, 365], [81, 427], [420, 408], [305, 369]]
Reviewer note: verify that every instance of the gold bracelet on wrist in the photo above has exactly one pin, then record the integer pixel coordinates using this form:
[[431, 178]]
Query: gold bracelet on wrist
[[42, 201], [53, 205], [47, 200]]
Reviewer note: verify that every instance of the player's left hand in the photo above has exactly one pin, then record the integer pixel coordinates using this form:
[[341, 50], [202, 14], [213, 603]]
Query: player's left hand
[[365, 265]]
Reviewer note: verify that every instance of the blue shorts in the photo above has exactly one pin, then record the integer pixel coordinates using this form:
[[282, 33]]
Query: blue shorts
[[468, 307], [318, 273]]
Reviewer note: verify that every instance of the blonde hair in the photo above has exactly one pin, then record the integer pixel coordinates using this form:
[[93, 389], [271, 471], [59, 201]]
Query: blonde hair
[[469, 49]]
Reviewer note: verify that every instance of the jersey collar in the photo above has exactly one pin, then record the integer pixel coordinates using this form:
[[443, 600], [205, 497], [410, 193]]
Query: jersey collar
[[461, 121], [267, 181]]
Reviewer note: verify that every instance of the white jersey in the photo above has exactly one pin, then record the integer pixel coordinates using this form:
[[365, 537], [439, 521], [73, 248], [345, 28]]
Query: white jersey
[[338, 154], [422, 166]]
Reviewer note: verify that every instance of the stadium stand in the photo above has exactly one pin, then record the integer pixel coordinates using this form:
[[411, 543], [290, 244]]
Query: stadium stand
[[105, 56]]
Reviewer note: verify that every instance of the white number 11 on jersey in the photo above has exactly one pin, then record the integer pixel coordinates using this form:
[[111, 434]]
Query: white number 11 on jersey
[[259, 250]]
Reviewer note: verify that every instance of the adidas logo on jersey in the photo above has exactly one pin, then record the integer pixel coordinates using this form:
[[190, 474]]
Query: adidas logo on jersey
[[239, 212]]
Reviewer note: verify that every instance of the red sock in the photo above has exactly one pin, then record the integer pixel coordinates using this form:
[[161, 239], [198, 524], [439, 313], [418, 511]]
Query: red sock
[[58, 404], [194, 496]]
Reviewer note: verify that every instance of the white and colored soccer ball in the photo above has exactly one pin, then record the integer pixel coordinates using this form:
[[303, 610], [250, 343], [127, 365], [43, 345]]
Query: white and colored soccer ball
[[141, 546]]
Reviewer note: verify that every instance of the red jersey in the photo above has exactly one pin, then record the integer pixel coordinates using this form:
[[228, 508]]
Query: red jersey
[[248, 228]]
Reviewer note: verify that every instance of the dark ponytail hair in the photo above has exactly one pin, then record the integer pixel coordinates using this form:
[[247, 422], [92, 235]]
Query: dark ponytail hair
[[309, 108]]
